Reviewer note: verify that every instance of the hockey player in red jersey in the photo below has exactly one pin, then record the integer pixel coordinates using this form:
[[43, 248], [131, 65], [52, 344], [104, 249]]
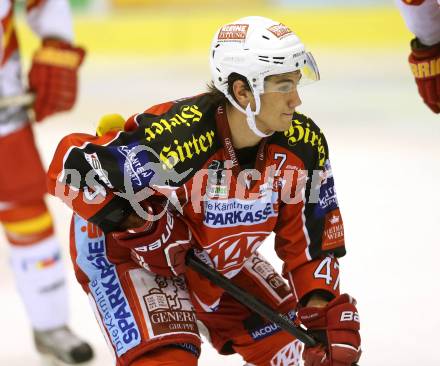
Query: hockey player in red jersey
[[216, 172], [35, 252], [423, 19]]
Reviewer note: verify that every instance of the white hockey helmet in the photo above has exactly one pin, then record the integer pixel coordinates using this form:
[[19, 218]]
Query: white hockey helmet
[[256, 47]]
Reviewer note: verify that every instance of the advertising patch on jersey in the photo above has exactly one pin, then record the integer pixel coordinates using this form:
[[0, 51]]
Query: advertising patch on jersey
[[280, 30], [165, 303], [333, 235], [96, 165], [267, 329], [134, 161], [268, 277], [301, 132], [185, 145], [233, 32], [271, 188], [327, 194], [235, 212], [105, 286], [189, 347], [217, 186], [217, 191]]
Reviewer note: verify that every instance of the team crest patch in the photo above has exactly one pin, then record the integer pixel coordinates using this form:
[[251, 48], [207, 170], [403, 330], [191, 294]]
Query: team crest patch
[[333, 235], [280, 30], [230, 253], [288, 355], [233, 32]]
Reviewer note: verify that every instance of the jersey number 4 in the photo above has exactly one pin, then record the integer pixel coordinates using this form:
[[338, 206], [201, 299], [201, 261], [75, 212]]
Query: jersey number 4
[[328, 270]]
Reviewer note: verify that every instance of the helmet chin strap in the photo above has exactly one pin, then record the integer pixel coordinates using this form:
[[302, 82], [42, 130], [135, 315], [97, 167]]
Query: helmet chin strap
[[250, 115], [250, 119]]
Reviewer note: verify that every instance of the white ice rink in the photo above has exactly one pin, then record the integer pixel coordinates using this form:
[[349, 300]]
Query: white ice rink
[[385, 152]]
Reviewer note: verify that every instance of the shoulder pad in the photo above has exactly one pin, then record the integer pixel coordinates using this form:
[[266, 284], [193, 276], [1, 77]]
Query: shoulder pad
[[305, 139], [183, 137]]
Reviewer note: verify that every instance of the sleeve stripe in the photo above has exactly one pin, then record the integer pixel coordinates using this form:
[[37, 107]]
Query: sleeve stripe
[[292, 284], [305, 231]]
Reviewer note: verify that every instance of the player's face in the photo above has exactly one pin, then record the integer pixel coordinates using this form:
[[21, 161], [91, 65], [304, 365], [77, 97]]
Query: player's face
[[278, 102]]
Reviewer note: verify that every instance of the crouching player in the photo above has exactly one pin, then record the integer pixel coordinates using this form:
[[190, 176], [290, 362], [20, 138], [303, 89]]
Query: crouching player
[[234, 164]]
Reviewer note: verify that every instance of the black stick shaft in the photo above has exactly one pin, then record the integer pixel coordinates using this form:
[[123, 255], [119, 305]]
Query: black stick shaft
[[248, 300]]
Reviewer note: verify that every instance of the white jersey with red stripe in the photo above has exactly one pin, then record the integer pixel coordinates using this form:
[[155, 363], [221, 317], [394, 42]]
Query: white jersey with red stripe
[[422, 18], [47, 19]]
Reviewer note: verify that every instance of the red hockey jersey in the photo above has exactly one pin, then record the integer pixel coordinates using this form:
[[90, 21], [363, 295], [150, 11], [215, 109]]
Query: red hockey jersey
[[183, 149]]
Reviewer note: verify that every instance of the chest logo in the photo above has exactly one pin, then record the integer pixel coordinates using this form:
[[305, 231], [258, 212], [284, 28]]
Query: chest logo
[[231, 252]]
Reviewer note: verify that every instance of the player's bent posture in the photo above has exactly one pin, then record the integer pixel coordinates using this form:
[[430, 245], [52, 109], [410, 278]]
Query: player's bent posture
[[423, 19], [35, 252], [235, 164]]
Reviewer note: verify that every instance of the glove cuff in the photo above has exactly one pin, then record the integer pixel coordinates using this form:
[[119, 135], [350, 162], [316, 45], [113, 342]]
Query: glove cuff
[[421, 51], [56, 42], [55, 52]]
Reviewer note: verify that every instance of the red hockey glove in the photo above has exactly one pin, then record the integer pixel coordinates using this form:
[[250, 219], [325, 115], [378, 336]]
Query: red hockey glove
[[53, 77], [339, 321], [425, 65], [159, 246]]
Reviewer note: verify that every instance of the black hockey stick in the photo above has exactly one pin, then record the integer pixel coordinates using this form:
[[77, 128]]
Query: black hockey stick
[[249, 300]]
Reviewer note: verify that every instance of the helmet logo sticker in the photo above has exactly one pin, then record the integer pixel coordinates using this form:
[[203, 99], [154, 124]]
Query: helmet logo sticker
[[233, 32], [280, 30]]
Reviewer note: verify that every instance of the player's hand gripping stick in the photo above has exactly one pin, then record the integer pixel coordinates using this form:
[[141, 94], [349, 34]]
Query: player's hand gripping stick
[[250, 301]]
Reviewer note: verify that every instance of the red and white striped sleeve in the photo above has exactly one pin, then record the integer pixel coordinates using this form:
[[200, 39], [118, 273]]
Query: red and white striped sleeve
[[422, 18], [50, 19]]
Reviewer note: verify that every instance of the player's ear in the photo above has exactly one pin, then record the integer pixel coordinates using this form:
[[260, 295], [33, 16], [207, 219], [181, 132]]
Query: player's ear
[[241, 93]]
